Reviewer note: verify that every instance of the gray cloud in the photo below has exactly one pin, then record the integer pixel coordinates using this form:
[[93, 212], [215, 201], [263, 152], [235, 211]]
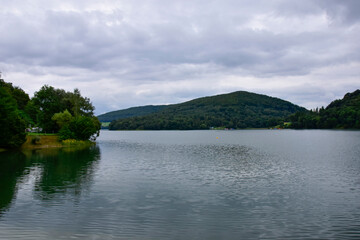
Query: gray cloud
[[346, 11], [153, 52]]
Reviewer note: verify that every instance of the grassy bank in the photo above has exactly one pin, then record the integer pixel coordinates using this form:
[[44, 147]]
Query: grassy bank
[[39, 141]]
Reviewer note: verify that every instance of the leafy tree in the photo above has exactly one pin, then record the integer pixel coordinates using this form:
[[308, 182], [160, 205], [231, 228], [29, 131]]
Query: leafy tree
[[84, 128], [21, 98], [32, 112], [80, 105], [12, 133], [62, 118], [49, 101], [66, 133], [79, 128]]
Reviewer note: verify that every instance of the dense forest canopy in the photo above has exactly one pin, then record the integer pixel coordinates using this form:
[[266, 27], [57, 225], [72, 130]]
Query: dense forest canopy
[[234, 110], [130, 112], [19, 111], [342, 113]]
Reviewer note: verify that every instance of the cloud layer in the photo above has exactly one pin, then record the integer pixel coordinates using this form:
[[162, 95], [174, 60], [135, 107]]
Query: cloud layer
[[129, 53]]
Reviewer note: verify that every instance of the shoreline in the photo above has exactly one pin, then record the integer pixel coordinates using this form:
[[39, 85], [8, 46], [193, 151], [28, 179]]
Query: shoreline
[[51, 142]]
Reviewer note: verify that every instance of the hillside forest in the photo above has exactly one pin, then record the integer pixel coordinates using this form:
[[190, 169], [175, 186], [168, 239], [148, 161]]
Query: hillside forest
[[339, 114], [235, 110], [241, 110]]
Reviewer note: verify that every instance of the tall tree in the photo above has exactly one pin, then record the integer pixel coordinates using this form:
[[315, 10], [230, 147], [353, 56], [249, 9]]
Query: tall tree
[[49, 101], [12, 126], [81, 106], [21, 98]]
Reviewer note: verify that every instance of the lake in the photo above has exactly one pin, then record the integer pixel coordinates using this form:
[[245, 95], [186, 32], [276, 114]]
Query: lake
[[246, 184]]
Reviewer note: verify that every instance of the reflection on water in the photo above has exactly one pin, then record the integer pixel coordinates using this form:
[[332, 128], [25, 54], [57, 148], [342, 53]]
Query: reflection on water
[[56, 171], [12, 168], [187, 185]]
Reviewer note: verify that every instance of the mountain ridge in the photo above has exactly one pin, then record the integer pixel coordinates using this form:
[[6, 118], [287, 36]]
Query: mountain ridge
[[130, 112], [240, 109]]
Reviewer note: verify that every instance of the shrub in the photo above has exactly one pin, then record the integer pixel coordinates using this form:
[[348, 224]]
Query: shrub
[[66, 133], [81, 128]]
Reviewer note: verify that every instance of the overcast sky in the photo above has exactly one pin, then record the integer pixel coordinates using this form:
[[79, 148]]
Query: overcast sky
[[122, 54]]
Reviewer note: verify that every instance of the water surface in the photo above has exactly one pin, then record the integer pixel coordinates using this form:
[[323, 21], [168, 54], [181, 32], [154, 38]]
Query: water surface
[[251, 184]]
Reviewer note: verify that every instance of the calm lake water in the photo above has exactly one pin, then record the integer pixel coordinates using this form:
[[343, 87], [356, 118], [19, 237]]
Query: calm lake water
[[250, 184]]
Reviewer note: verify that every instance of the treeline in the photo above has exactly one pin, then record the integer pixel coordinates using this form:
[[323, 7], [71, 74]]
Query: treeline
[[234, 110], [339, 114], [13, 101], [191, 122], [130, 112], [52, 110]]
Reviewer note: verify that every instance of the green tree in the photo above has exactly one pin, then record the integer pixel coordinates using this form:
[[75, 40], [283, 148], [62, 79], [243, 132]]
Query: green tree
[[12, 133], [62, 118], [32, 111], [66, 133], [80, 106], [17, 94], [84, 128], [49, 101]]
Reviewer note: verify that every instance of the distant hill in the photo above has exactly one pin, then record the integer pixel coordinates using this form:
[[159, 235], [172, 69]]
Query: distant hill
[[234, 110], [343, 113], [130, 112]]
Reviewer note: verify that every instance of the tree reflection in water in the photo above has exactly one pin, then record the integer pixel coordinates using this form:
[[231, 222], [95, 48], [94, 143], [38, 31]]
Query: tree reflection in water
[[12, 170], [58, 173]]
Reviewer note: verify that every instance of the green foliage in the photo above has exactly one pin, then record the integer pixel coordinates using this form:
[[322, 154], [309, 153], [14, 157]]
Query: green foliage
[[32, 112], [12, 133], [21, 98], [62, 118], [105, 125], [81, 106], [80, 128], [49, 101], [344, 113], [130, 112], [234, 110], [84, 128], [66, 133], [50, 108]]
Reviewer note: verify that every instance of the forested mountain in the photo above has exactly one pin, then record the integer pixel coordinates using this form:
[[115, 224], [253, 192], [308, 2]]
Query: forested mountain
[[130, 112], [234, 110], [344, 113]]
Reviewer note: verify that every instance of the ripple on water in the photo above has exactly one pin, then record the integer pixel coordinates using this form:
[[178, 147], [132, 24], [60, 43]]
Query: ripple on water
[[244, 185]]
